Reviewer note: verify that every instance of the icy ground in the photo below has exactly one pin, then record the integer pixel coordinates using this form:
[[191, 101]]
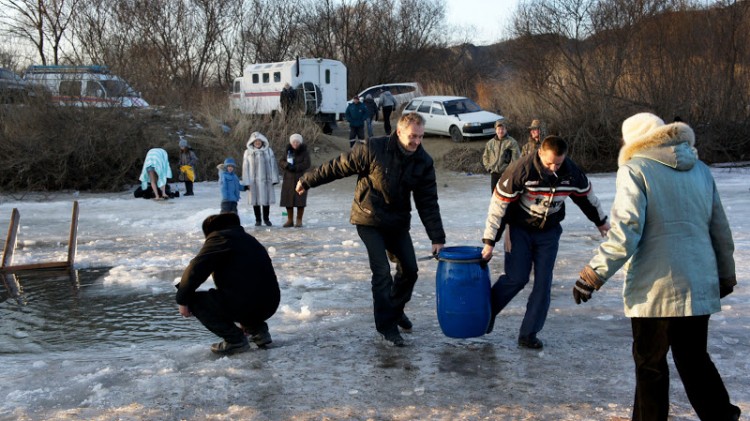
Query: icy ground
[[108, 342]]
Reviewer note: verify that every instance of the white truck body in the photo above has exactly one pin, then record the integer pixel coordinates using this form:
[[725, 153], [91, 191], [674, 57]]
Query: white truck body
[[320, 85], [89, 86]]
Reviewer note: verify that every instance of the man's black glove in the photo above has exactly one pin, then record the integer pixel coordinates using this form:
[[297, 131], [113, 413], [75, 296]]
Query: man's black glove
[[582, 291], [245, 188]]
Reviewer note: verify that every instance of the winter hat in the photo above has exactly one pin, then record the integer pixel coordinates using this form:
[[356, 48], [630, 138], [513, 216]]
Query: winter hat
[[255, 136], [230, 161], [500, 122], [535, 124], [297, 137], [639, 127], [184, 143], [220, 222]]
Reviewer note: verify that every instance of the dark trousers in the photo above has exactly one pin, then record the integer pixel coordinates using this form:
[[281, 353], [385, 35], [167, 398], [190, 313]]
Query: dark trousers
[[494, 178], [389, 293], [228, 206], [213, 311], [266, 213], [188, 187], [356, 133], [387, 110], [687, 337], [528, 247]]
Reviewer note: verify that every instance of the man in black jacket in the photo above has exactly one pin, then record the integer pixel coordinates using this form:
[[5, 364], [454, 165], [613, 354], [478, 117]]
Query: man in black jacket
[[390, 170], [247, 291]]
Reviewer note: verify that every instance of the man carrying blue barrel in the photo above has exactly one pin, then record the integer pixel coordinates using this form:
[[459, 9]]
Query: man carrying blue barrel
[[530, 200]]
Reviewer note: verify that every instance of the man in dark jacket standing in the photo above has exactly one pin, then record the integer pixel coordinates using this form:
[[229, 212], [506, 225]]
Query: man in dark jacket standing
[[246, 290], [391, 169]]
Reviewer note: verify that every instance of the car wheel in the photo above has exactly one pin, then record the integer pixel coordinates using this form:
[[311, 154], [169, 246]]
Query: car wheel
[[456, 134]]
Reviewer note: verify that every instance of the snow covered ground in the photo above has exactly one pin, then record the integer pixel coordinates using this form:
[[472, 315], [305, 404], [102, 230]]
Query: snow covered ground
[[108, 342]]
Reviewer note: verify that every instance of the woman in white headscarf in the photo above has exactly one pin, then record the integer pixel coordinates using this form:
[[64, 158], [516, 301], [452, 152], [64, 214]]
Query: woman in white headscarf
[[259, 174]]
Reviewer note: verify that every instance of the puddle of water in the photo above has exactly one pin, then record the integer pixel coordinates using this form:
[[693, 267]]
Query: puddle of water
[[44, 311]]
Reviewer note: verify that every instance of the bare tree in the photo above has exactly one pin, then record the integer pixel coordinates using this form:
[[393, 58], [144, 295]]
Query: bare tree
[[41, 23]]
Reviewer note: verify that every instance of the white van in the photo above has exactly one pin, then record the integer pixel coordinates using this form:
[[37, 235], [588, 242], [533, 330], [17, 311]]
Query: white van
[[80, 86], [320, 85]]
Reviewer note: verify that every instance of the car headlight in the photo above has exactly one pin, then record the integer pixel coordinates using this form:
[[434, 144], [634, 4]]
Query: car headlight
[[467, 125]]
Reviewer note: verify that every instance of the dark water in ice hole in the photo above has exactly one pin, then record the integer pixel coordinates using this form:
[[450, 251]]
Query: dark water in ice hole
[[57, 311]]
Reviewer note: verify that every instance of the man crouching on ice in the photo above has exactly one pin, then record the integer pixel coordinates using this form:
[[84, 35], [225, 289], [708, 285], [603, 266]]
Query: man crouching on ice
[[246, 292]]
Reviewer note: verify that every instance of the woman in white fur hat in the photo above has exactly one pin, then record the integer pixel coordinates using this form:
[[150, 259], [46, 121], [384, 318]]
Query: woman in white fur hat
[[671, 236]]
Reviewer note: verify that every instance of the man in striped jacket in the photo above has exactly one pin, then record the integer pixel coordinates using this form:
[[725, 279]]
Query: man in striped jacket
[[530, 200]]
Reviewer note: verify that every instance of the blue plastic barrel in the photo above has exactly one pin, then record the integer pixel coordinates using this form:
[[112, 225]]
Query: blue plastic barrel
[[463, 292]]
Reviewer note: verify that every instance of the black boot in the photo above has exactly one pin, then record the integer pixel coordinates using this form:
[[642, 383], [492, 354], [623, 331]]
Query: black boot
[[256, 210], [266, 212], [188, 188]]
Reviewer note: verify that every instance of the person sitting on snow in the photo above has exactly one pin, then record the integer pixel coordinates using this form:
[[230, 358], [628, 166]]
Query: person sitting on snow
[[247, 291]]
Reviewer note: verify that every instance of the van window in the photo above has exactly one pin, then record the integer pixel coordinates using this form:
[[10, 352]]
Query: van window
[[266, 78], [277, 76], [236, 86], [328, 76], [93, 89], [255, 78], [70, 87]]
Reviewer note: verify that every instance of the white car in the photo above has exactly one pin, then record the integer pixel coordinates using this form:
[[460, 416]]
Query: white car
[[454, 116], [403, 92]]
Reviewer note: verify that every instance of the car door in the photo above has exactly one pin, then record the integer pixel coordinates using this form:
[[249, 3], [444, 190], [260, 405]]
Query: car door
[[439, 120]]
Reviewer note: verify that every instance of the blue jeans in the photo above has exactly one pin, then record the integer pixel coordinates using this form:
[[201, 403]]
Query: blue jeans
[[528, 247], [369, 127], [389, 293]]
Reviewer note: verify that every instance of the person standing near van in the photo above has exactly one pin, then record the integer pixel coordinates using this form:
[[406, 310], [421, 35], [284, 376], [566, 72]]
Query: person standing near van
[[288, 98], [260, 173], [187, 162], [372, 113], [499, 152], [356, 115], [388, 105]]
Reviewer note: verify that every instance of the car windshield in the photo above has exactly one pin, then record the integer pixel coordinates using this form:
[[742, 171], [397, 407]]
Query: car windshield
[[461, 106]]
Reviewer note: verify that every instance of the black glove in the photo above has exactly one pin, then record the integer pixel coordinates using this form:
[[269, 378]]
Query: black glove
[[725, 290], [582, 291], [245, 188]]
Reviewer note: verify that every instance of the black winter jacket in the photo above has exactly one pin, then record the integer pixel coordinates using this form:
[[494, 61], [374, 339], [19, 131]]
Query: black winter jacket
[[241, 268], [387, 178]]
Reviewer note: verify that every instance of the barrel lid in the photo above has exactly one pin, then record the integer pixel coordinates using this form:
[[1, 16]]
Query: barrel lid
[[460, 253]]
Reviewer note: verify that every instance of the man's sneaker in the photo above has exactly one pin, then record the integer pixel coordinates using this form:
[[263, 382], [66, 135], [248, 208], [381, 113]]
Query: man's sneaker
[[405, 323], [530, 342], [226, 348], [262, 339], [394, 337]]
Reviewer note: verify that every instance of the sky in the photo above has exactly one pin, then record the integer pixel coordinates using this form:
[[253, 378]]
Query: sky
[[108, 343], [491, 19]]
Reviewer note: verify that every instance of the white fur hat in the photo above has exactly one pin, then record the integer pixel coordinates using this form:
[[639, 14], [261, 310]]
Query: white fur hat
[[297, 137], [639, 127]]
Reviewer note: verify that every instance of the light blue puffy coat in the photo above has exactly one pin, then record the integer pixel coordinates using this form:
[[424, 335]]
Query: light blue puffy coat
[[669, 230]]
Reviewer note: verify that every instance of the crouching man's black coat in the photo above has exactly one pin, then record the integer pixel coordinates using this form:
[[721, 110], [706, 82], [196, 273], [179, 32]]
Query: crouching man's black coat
[[241, 268]]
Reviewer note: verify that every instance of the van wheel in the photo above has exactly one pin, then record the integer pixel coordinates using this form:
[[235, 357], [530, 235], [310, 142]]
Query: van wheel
[[456, 134]]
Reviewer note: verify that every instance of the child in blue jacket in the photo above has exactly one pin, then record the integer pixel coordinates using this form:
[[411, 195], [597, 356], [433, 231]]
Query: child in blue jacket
[[229, 184]]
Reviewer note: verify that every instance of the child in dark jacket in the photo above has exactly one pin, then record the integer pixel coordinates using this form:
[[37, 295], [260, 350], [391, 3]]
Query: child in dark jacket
[[229, 184]]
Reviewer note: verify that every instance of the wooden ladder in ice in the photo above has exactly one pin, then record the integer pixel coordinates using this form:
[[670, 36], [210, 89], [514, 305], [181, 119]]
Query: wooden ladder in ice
[[10, 246]]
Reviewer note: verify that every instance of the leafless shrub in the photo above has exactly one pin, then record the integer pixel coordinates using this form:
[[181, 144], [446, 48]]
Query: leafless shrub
[[464, 159]]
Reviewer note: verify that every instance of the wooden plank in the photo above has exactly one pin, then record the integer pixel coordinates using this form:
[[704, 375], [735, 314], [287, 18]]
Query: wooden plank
[[32, 266], [73, 239], [10, 241]]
